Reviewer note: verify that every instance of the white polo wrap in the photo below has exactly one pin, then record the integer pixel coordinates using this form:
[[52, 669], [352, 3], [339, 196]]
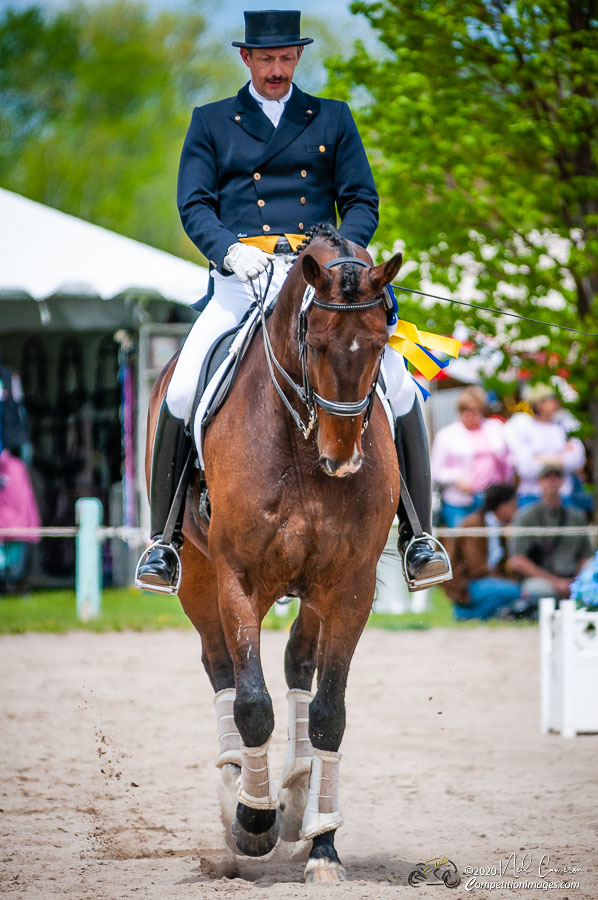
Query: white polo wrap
[[321, 811], [256, 789], [299, 748], [229, 739]]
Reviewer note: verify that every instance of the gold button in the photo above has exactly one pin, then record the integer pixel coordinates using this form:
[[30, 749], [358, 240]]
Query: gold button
[[322, 148], [303, 200], [308, 112], [301, 226], [257, 176], [237, 118], [266, 227], [261, 202], [303, 173]]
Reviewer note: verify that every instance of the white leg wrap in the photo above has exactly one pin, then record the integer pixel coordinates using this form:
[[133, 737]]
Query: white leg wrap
[[229, 739], [256, 789], [321, 811], [299, 748]]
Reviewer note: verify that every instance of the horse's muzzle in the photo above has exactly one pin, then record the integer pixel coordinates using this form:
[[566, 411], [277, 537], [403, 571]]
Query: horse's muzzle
[[341, 469]]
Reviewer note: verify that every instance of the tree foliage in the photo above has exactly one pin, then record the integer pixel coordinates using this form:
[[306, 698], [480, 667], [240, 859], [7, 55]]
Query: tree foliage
[[96, 101], [482, 122]]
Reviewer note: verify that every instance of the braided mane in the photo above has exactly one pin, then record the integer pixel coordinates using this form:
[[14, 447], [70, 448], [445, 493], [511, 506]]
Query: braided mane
[[349, 273]]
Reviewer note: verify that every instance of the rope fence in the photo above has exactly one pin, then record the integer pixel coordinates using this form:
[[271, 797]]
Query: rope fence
[[517, 531], [89, 534], [139, 536]]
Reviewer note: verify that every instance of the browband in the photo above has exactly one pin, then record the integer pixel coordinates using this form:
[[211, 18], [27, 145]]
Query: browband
[[349, 307], [347, 259]]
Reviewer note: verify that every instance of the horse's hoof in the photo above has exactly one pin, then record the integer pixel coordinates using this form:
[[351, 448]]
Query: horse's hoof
[[250, 844], [324, 871]]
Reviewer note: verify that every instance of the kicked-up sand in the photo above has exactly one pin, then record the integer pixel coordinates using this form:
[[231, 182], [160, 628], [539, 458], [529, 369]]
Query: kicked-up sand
[[108, 787]]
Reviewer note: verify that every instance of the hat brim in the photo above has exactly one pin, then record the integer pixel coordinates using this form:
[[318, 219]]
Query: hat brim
[[274, 45]]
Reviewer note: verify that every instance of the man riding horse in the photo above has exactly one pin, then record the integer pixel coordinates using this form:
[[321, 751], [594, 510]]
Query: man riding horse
[[257, 172]]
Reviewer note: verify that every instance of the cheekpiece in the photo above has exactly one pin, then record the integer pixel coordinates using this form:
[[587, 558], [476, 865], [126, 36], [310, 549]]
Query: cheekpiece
[[272, 28]]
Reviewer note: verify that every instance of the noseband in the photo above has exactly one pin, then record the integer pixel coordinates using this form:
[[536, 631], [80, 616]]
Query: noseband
[[310, 398]]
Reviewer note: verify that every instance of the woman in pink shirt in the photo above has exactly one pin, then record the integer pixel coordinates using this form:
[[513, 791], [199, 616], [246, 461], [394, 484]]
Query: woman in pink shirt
[[468, 456], [18, 509]]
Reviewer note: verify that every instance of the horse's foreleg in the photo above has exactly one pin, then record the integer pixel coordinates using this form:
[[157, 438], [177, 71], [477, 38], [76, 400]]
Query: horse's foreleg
[[300, 662], [255, 829], [199, 598], [341, 628]]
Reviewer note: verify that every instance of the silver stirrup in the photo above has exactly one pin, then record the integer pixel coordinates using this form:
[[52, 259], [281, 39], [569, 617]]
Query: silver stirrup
[[158, 588], [418, 584]]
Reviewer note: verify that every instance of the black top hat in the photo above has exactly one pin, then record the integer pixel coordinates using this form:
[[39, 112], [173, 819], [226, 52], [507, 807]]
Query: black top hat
[[272, 28]]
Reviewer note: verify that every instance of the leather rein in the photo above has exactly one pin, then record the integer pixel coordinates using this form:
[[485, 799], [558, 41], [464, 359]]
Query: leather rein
[[310, 398]]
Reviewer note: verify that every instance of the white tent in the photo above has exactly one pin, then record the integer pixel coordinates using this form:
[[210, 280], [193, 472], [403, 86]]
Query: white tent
[[46, 253]]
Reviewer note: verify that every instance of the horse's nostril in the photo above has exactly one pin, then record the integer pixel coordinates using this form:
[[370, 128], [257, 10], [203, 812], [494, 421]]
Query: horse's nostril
[[328, 465]]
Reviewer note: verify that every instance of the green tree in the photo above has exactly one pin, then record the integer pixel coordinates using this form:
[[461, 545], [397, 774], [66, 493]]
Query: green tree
[[96, 101], [482, 124]]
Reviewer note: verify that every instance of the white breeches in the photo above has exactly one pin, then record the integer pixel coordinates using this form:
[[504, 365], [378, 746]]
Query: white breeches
[[231, 300], [401, 389]]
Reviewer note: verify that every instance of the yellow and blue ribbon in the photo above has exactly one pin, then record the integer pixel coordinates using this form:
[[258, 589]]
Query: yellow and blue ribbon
[[415, 346]]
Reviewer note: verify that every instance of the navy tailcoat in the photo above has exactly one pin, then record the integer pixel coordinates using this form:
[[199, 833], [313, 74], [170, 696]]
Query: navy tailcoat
[[241, 177]]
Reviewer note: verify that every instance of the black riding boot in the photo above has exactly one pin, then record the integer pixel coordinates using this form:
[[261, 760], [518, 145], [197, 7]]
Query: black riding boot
[[159, 566], [425, 561]]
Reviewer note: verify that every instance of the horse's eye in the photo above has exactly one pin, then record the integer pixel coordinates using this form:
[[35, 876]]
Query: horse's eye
[[312, 350]]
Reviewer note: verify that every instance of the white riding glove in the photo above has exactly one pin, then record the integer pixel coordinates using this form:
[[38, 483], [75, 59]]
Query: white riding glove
[[245, 261]]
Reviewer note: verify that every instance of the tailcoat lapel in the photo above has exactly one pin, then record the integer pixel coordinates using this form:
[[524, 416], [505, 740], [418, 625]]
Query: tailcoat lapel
[[250, 118], [299, 111]]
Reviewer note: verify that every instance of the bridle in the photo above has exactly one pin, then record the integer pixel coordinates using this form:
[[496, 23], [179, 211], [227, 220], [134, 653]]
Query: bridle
[[310, 398]]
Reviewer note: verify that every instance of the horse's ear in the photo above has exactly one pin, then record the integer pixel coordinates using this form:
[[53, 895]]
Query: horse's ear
[[314, 274], [383, 274]]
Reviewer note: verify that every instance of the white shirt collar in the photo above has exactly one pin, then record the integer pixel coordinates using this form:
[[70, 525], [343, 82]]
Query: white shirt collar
[[261, 99], [271, 108]]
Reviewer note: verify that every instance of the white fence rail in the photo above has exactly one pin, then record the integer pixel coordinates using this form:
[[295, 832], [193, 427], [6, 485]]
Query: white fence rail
[[89, 534]]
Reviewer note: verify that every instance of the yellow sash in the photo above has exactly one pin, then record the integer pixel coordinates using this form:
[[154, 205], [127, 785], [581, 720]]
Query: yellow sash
[[407, 336], [266, 242]]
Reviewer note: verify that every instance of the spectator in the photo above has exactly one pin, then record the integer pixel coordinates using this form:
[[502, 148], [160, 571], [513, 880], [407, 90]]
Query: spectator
[[548, 563], [468, 456], [479, 587], [541, 439], [18, 509]]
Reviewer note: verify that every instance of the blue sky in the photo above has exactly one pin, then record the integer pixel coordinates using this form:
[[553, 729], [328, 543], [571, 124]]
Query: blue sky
[[225, 12]]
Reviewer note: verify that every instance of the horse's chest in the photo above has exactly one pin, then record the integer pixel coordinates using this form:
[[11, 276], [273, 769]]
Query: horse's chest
[[307, 530]]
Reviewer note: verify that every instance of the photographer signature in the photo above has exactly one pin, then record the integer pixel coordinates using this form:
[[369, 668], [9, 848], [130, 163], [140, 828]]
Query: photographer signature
[[522, 865]]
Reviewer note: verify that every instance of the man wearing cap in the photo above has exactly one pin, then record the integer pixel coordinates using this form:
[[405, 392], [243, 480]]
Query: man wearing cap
[[542, 438], [257, 171], [548, 563]]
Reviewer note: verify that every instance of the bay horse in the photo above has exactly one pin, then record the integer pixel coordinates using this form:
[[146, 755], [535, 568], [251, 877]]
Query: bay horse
[[303, 514]]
